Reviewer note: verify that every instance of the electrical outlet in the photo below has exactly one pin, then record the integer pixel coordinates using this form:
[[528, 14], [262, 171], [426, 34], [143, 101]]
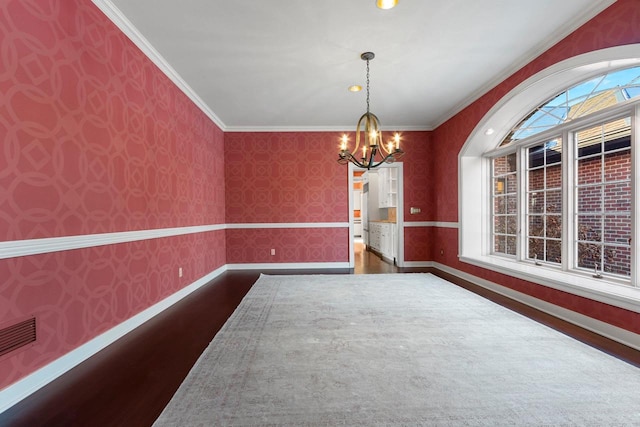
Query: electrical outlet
[[273, 251], [180, 272]]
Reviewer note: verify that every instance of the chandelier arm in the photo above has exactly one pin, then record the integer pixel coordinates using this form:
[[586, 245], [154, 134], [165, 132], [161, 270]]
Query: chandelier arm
[[349, 157], [359, 164], [367, 164], [372, 142]]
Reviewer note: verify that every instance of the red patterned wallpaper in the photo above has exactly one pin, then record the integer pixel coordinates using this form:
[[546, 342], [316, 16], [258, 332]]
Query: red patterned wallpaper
[[291, 245], [294, 177], [417, 243], [617, 25], [419, 193], [284, 177], [96, 139], [418, 166], [78, 294]]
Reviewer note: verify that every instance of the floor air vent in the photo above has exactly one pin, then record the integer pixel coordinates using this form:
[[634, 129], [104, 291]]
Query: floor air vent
[[17, 335]]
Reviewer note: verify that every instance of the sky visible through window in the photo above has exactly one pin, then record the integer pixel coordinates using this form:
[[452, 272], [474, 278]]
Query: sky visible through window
[[580, 100]]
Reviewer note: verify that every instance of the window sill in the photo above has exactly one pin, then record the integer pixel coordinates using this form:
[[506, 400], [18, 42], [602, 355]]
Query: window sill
[[602, 290]]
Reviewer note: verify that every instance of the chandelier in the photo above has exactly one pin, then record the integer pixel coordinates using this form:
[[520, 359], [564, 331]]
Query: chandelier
[[373, 152]]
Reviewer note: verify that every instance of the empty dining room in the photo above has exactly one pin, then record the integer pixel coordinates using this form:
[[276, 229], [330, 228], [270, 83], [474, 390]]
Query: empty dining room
[[177, 213]]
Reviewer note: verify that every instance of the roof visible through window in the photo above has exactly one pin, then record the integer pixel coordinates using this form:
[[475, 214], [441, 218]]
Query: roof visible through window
[[593, 95]]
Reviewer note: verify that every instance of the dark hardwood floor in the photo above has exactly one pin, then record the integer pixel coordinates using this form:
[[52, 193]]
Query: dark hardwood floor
[[129, 382], [369, 263]]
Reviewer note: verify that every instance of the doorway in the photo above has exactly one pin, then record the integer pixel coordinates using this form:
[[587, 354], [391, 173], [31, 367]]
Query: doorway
[[376, 237]]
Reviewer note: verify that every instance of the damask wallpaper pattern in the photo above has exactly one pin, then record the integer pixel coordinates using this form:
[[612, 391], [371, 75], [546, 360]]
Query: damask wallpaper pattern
[[292, 245], [96, 139], [78, 294], [284, 177], [293, 177]]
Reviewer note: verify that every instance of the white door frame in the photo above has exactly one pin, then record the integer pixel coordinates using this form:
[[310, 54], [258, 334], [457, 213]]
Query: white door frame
[[399, 211]]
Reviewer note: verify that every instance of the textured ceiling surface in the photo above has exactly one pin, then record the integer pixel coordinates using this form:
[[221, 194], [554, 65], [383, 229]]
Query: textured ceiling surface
[[286, 65]]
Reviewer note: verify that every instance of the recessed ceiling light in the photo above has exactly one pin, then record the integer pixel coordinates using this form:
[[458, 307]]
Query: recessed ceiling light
[[355, 88], [488, 131], [386, 4]]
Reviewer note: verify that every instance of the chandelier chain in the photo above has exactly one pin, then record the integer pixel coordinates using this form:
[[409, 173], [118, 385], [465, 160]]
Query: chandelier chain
[[367, 85]]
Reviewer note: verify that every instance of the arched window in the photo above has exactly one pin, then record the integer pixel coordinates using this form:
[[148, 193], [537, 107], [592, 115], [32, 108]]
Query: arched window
[[597, 93], [555, 204]]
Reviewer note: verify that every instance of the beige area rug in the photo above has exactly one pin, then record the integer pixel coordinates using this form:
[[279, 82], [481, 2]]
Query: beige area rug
[[398, 349]]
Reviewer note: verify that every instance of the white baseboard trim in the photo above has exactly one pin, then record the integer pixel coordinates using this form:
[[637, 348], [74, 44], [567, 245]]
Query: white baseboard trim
[[38, 379], [605, 329], [390, 260], [418, 264], [287, 265], [437, 224]]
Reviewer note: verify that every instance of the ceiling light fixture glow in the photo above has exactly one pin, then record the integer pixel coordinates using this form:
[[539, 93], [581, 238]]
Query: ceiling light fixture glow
[[355, 88], [386, 4], [374, 152]]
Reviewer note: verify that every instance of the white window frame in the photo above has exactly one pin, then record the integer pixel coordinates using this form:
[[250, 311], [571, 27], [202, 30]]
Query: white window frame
[[474, 168], [505, 215], [565, 132], [631, 113], [524, 202]]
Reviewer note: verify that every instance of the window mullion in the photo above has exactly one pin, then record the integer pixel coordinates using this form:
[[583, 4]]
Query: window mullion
[[569, 217], [522, 204], [635, 208]]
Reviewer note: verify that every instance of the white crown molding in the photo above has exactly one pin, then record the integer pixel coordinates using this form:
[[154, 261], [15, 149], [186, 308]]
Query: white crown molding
[[249, 129], [120, 20], [43, 376], [553, 39]]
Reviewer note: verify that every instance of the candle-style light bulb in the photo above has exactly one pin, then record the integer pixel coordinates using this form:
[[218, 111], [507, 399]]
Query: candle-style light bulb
[[364, 152], [372, 137], [396, 137], [343, 145]]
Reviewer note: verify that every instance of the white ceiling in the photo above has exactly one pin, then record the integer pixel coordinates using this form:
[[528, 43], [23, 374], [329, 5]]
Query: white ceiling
[[287, 64]]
